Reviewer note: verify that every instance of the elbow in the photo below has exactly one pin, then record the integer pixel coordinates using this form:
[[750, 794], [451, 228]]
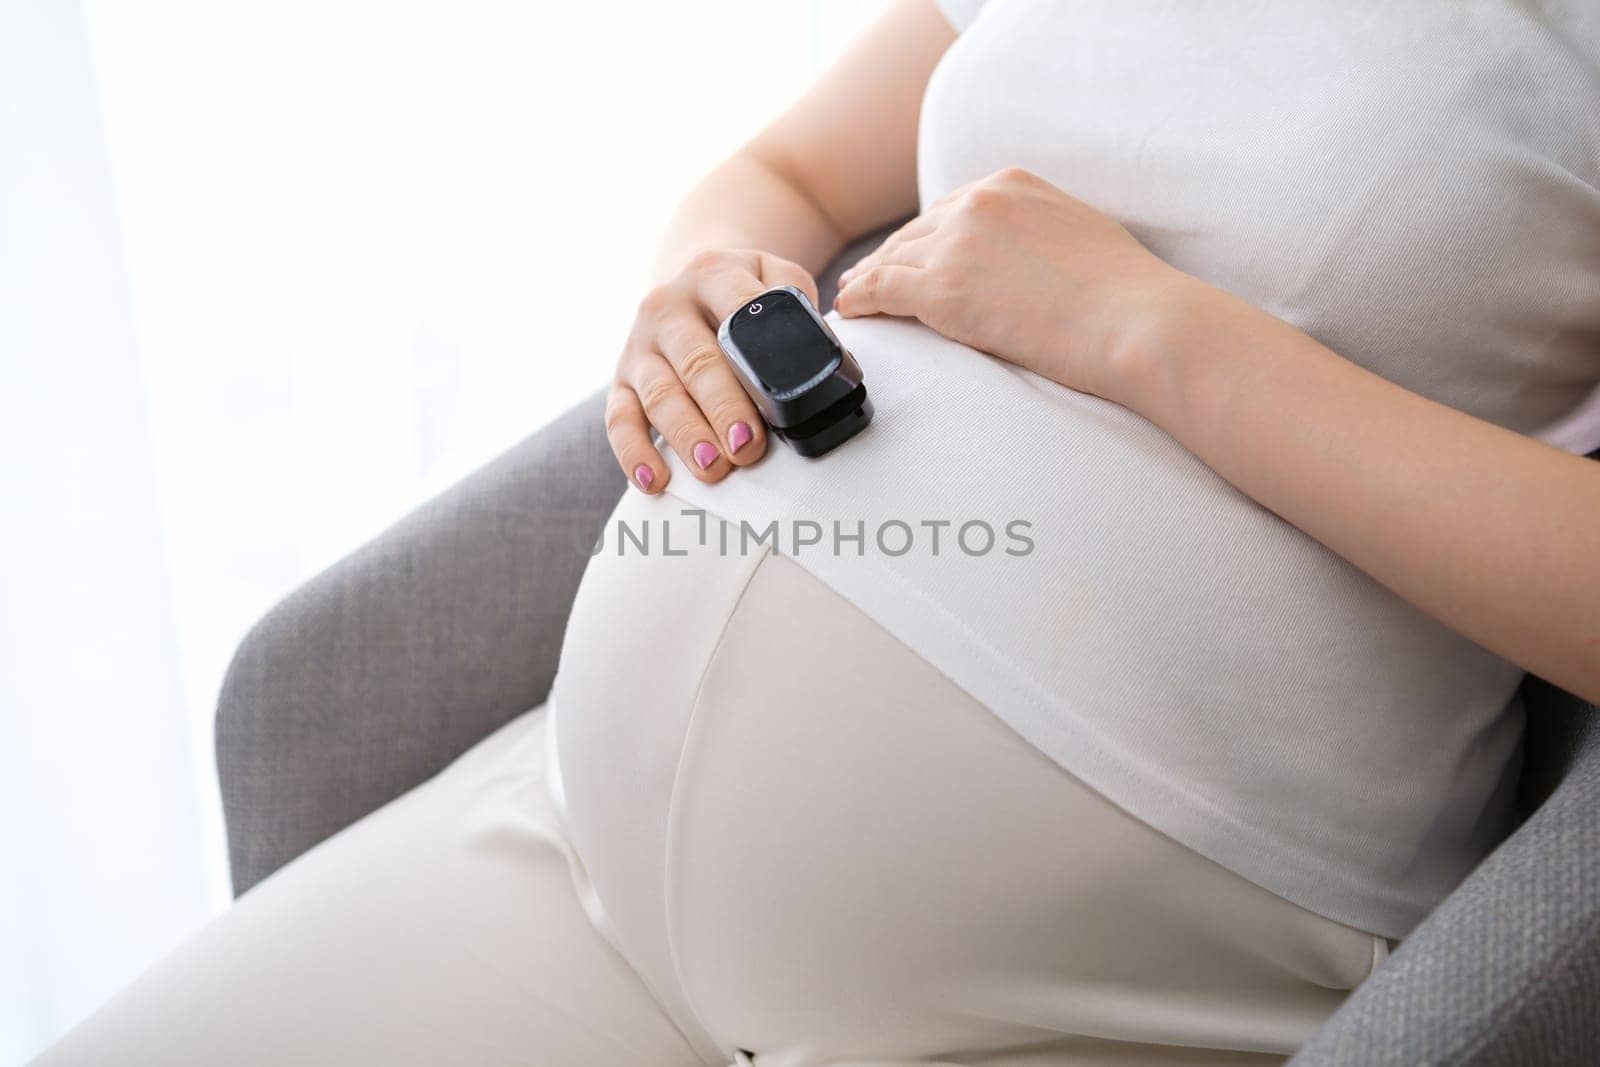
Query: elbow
[[786, 171]]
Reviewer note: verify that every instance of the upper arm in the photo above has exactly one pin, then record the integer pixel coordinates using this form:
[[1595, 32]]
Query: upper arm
[[850, 143]]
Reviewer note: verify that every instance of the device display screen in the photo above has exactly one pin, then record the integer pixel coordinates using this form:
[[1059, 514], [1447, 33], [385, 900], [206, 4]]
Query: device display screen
[[781, 342]]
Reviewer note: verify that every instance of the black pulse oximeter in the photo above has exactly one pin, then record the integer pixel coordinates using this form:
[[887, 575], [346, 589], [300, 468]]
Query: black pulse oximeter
[[807, 387]]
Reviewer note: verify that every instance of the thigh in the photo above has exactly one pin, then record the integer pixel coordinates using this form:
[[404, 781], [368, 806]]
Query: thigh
[[443, 928]]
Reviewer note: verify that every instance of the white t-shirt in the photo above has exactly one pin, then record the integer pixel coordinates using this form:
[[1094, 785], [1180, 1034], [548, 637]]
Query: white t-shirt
[[1414, 185]]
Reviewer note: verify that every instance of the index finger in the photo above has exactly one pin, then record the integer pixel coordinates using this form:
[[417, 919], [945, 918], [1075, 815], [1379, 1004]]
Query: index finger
[[728, 287], [776, 271]]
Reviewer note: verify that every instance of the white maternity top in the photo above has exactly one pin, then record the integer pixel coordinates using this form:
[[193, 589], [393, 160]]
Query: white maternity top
[[1414, 184]]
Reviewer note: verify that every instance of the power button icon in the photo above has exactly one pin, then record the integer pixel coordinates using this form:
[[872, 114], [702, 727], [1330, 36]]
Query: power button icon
[[755, 309]]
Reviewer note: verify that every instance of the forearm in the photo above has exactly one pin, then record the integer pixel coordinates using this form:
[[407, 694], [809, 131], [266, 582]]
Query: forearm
[[840, 163], [746, 203], [1491, 532]]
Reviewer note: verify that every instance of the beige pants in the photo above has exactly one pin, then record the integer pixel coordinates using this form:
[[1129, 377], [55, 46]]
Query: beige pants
[[800, 844]]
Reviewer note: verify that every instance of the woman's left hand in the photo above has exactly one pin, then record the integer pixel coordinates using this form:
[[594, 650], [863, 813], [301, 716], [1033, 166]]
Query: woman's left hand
[[1016, 267]]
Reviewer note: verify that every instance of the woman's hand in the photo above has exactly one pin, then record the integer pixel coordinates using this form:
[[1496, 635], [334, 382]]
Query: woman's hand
[[1016, 267], [672, 375], [1430, 501]]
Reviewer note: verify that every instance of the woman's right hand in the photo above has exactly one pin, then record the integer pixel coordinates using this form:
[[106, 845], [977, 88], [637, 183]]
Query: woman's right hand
[[673, 375]]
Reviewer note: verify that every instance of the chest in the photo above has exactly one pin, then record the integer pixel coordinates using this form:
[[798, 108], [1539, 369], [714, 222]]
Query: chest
[[1413, 183]]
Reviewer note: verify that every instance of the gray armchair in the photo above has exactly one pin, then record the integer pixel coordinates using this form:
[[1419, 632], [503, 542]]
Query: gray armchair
[[383, 669]]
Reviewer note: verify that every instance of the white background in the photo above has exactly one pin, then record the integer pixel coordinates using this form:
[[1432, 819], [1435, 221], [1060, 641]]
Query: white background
[[270, 274]]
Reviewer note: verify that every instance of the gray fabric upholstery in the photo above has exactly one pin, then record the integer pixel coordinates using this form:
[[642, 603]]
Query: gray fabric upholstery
[[1507, 969], [383, 669], [380, 671]]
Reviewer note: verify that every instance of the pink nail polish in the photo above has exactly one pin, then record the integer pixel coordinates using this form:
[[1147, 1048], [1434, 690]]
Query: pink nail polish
[[705, 454], [644, 476], [739, 435]]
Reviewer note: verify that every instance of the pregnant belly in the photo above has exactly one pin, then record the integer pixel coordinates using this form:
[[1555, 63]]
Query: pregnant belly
[[1183, 650], [767, 791]]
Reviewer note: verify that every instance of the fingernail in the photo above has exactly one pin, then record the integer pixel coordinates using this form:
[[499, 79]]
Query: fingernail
[[705, 454], [739, 435], [643, 475]]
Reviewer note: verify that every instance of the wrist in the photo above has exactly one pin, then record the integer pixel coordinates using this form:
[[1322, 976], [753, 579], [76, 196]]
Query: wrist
[[1160, 344]]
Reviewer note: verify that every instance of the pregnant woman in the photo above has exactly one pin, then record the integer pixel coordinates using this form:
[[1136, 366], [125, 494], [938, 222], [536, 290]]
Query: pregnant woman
[[1131, 685]]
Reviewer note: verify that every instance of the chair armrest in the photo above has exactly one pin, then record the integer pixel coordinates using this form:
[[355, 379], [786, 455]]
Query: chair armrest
[[381, 670], [1506, 970]]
